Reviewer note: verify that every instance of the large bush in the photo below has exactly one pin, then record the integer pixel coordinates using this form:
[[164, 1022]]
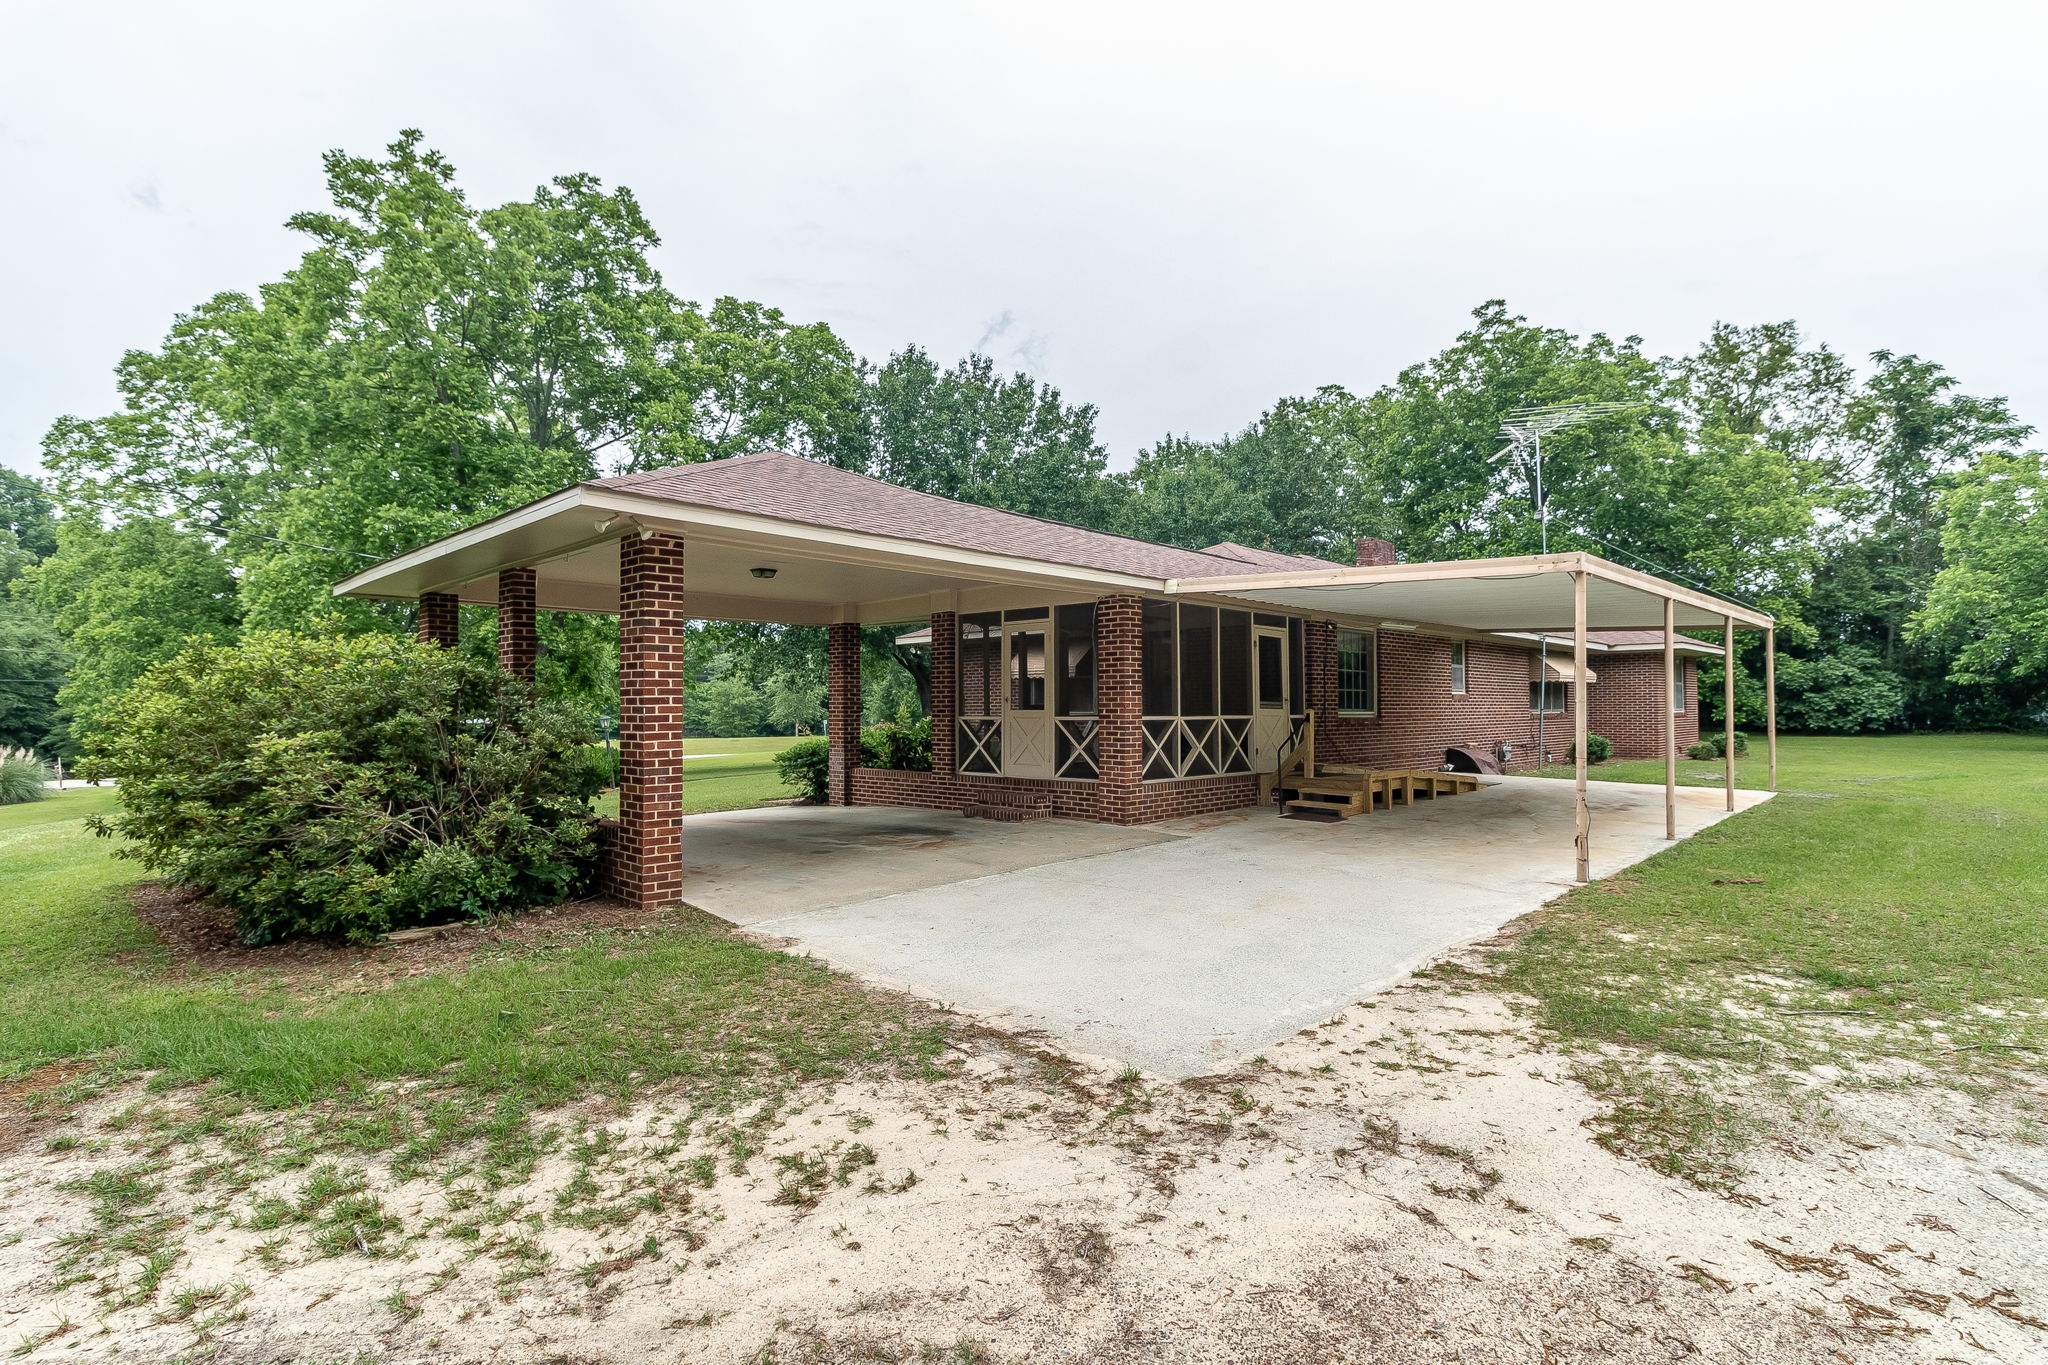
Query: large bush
[[348, 786], [1849, 691], [1599, 748]]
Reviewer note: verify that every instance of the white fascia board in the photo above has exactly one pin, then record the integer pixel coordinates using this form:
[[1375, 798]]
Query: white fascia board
[[817, 542]]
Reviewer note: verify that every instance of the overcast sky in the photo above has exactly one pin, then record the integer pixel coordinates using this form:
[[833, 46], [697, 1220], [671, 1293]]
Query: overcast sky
[[1179, 213]]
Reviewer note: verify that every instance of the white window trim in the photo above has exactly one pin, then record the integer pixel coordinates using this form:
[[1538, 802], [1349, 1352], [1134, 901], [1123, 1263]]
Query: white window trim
[[1374, 637], [1460, 663]]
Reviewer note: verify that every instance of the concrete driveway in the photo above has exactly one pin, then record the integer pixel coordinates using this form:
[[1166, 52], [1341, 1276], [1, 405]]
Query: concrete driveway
[[1178, 947]]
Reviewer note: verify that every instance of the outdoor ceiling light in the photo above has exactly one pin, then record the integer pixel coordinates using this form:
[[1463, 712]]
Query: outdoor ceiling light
[[762, 573], [1399, 625]]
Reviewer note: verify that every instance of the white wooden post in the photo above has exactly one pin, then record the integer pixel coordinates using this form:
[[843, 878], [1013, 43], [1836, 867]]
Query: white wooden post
[[1728, 707], [1670, 721], [1583, 843], [1771, 699]]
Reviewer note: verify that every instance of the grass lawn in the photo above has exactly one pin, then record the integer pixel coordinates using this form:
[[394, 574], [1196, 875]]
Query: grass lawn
[[514, 1023], [1891, 903], [723, 774], [1751, 769]]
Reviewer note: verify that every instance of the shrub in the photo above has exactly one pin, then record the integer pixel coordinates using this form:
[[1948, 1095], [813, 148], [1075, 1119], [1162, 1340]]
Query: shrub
[[1712, 745], [1599, 748], [898, 746], [348, 786], [603, 763], [806, 767], [22, 776]]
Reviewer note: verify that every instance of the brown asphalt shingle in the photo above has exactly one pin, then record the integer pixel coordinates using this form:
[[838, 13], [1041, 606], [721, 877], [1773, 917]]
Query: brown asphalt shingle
[[788, 487]]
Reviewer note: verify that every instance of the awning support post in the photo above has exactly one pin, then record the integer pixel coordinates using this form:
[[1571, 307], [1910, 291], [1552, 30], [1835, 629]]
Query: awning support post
[[1771, 700], [1728, 708], [1583, 842], [1670, 721]]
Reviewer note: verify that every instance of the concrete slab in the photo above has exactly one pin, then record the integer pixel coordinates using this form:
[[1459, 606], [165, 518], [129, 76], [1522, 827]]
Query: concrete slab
[[1200, 944], [750, 865]]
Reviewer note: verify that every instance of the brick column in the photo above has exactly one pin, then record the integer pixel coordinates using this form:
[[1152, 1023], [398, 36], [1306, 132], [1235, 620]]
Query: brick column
[[1319, 661], [646, 862], [945, 692], [842, 709], [518, 637], [1120, 707], [441, 619]]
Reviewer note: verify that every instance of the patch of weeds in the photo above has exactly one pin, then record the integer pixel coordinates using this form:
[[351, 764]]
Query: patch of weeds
[[804, 1177], [1670, 1120], [1078, 1254]]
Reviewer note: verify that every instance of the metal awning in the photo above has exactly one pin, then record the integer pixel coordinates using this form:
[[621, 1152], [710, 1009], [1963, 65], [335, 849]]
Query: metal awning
[[1561, 666], [1523, 593]]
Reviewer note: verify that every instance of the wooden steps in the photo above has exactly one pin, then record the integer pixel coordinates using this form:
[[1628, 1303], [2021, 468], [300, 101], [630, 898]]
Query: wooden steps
[[1340, 792]]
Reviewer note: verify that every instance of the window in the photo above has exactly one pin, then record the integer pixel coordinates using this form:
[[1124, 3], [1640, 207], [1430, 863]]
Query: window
[[1272, 696], [1357, 673], [1547, 697], [1074, 627], [1678, 688], [1027, 670], [1458, 667]]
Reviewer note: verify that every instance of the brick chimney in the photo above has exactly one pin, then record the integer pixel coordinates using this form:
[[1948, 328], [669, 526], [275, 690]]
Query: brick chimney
[[1371, 551]]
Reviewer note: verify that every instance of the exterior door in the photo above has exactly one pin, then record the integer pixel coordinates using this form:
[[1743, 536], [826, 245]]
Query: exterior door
[[1270, 723], [1027, 710]]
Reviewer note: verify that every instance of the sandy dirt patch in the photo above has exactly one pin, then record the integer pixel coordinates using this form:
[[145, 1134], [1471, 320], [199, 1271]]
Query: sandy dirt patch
[[1414, 1181]]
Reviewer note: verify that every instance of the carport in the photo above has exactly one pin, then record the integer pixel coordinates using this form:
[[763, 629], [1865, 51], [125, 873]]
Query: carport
[[1175, 947], [776, 538]]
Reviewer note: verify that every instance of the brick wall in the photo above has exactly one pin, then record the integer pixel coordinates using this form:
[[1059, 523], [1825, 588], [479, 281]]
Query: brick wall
[[842, 710], [1623, 704], [644, 862], [945, 691], [441, 619], [1120, 706], [1419, 716], [518, 632]]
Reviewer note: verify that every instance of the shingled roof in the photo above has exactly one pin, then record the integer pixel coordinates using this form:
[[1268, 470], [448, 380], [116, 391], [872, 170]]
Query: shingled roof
[[774, 483]]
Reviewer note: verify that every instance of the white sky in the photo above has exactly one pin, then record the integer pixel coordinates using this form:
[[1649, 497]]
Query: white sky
[[1176, 212]]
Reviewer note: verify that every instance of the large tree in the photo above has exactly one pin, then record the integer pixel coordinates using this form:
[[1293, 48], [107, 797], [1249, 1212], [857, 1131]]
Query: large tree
[[427, 364], [1988, 607], [972, 433]]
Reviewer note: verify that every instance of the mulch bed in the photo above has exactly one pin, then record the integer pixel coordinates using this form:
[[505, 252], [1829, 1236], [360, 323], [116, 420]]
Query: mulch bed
[[199, 938]]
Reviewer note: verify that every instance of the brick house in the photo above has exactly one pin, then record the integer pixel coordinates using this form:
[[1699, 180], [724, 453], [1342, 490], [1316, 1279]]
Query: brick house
[[1085, 675]]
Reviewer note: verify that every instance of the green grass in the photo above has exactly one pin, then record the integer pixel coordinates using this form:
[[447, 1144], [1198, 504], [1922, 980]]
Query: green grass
[[1899, 911], [1751, 770], [518, 1025], [737, 774]]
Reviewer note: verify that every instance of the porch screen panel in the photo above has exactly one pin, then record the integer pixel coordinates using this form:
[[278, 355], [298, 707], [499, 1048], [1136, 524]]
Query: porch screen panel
[[981, 665], [1074, 628], [1161, 698], [1234, 662], [1197, 661], [981, 693]]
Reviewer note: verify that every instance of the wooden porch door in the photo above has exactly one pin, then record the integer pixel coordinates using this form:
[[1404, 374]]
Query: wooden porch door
[[1271, 722], [1027, 710]]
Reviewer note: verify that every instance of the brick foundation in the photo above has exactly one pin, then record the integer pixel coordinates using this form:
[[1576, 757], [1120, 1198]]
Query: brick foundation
[[518, 631], [842, 710], [441, 619], [644, 862], [1152, 801]]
